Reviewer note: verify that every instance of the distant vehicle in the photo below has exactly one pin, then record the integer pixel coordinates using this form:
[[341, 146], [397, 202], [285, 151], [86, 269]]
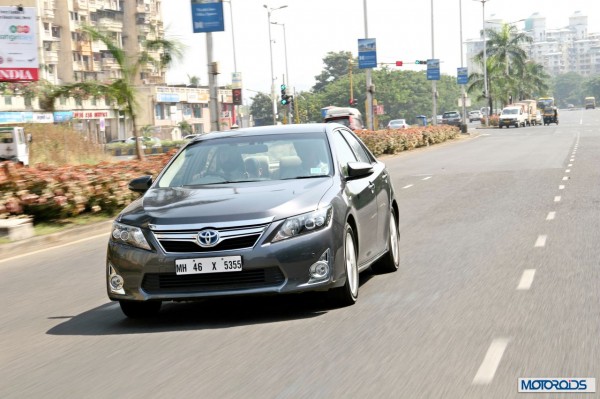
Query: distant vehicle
[[590, 103], [538, 117], [146, 141], [350, 117], [398, 124], [571, 107], [475, 115], [438, 119], [531, 111], [512, 116], [451, 118], [549, 110], [264, 210], [14, 145]]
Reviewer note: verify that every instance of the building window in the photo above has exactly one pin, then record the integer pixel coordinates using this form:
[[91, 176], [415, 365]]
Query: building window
[[63, 100], [27, 101], [7, 100], [94, 102], [78, 102], [159, 112], [197, 110]]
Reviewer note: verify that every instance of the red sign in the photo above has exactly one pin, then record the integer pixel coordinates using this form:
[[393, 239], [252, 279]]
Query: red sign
[[18, 74], [90, 114]]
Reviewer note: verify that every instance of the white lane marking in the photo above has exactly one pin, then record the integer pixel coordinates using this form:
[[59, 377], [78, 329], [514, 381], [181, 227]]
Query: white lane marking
[[568, 171], [561, 187], [566, 178], [541, 241], [572, 159], [526, 279], [426, 178], [491, 361], [557, 198], [569, 165], [409, 186], [54, 247], [551, 216]]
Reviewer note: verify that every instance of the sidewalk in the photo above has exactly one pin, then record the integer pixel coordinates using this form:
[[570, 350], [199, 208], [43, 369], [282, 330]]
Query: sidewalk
[[66, 236]]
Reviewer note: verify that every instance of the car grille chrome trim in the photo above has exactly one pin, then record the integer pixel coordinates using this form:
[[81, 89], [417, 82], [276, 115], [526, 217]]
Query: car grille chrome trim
[[216, 225], [230, 239]]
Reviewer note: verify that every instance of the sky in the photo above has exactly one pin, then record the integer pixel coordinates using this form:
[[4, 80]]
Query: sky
[[313, 28]]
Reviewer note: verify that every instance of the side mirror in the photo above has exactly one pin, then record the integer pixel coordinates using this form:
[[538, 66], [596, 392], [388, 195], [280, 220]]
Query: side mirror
[[140, 184], [357, 170]]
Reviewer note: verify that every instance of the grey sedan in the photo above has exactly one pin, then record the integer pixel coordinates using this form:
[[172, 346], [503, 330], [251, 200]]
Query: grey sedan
[[276, 209]]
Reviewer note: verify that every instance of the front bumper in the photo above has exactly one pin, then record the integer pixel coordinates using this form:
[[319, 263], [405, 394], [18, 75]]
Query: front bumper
[[267, 268]]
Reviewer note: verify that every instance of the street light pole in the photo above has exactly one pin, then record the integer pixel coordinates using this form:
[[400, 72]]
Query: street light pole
[[274, 103], [462, 86], [370, 116], [485, 82], [287, 74], [433, 82], [234, 57]]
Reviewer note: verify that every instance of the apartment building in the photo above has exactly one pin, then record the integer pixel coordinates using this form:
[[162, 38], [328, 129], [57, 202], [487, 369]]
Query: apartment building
[[567, 49]]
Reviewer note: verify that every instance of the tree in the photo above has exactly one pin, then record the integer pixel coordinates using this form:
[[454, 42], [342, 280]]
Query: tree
[[568, 88], [262, 109], [336, 66], [194, 80], [121, 89]]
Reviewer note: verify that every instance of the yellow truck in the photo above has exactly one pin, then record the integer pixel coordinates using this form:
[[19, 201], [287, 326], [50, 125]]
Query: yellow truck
[[590, 103]]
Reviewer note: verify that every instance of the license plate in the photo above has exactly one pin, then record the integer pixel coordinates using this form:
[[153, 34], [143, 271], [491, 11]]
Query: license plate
[[208, 265]]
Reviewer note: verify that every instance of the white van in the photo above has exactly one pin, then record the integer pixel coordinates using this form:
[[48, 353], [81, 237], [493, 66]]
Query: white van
[[512, 116], [13, 145]]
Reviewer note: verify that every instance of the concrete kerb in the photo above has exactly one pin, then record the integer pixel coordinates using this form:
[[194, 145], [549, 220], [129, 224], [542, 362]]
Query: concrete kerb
[[51, 240]]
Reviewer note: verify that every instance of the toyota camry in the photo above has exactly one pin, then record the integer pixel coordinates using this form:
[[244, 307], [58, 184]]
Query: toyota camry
[[265, 210]]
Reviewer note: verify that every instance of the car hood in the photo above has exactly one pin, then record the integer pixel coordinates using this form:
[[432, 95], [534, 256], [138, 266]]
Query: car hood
[[224, 203]]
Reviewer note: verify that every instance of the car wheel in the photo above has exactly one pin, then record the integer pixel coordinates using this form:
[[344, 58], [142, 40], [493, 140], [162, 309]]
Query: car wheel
[[391, 260], [139, 309], [348, 293]]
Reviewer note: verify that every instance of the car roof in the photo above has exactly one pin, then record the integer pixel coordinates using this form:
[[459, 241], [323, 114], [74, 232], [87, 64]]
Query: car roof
[[266, 130]]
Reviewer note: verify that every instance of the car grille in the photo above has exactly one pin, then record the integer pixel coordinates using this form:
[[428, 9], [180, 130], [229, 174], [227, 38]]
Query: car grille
[[164, 283], [230, 239]]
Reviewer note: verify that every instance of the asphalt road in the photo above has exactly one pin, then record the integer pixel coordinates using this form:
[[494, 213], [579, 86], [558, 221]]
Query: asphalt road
[[499, 281]]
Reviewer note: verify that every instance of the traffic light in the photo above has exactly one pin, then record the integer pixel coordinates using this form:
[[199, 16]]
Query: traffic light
[[398, 63], [421, 62], [284, 97], [237, 96]]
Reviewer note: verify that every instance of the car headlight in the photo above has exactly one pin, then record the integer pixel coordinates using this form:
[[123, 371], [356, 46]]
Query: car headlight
[[303, 224], [129, 235]]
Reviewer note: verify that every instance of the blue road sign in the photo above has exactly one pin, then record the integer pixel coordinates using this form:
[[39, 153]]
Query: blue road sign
[[462, 76], [367, 53], [207, 16], [433, 69]]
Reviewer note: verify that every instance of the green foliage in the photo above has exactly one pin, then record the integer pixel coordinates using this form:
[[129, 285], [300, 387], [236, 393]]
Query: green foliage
[[262, 109]]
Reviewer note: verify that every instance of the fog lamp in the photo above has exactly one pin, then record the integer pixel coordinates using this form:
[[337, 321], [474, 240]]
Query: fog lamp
[[116, 282], [320, 269]]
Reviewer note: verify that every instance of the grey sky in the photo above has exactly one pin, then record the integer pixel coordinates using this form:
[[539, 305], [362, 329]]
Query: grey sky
[[402, 29]]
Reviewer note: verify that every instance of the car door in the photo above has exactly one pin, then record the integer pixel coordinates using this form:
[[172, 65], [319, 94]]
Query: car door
[[380, 178], [361, 197]]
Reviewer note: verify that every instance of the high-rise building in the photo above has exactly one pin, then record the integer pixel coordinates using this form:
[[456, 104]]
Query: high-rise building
[[568, 49]]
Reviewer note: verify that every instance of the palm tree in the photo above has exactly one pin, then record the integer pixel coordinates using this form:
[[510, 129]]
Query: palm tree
[[534, 80], [121, 90], [504, 47]]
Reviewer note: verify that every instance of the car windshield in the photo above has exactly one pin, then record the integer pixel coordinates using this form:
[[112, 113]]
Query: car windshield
[[397, 122], [253, 158], [510, 111], [451, 115]]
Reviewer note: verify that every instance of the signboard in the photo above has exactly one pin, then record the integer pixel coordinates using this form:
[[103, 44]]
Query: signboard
[[237, 96], [236, 80], [367, 53], [433, 69], [102, 125], [63, 116], [167, 97], [18, 44], [462, 76], [91, 114], [207, 16]]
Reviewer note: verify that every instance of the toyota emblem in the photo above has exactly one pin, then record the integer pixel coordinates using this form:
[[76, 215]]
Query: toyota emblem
[[208, 238]]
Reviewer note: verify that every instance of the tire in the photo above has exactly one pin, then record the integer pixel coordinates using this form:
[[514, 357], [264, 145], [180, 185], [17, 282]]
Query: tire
[[140, 309], [348, 293], [390, 262]]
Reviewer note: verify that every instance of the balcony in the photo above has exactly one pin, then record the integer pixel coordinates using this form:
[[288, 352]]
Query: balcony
[[110, 25], [109, 63], [51, 57]]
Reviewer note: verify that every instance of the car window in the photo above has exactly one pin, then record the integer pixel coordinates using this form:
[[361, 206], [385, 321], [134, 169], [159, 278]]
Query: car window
[[344, 152], [249, 158], [360, 152]]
